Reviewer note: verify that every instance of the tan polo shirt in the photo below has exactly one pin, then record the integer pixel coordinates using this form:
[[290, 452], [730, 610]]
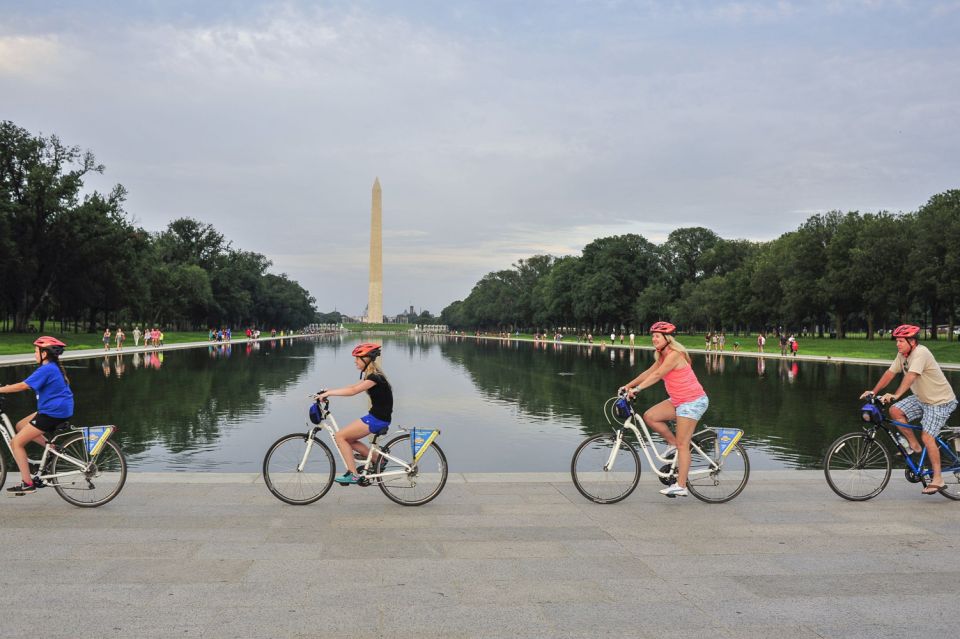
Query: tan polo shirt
[[931, 386]]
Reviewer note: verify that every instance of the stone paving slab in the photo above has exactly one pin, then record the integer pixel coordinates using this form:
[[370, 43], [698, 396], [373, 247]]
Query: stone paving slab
[[215, 555]]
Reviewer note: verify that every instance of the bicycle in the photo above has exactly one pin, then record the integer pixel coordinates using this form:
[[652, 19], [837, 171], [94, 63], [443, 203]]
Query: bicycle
[[83, 464], [857, 465], [410, 469], [606, 467]]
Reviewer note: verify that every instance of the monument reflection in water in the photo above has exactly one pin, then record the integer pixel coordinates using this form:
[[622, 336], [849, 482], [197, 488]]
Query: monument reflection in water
[[502, 406]]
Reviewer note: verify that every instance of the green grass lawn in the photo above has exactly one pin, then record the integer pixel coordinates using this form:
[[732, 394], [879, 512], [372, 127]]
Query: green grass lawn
[[19, 343], [883, 349]]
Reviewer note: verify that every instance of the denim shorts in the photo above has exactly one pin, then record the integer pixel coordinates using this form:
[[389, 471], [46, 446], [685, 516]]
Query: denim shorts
[[695, 409], [375, 425], [932, 417]]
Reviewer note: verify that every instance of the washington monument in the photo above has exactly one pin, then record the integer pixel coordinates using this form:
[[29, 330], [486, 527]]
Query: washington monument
[[375, 303]]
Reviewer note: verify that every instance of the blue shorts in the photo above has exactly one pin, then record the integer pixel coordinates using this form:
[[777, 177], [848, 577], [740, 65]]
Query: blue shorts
[[695, 409], [375, 425]]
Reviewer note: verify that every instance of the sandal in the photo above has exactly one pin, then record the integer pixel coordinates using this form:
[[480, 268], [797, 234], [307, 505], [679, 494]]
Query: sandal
[[933, 489]]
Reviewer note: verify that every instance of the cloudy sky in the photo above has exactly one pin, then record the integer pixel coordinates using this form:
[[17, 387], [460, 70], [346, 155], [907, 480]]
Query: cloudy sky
[[498, 129]]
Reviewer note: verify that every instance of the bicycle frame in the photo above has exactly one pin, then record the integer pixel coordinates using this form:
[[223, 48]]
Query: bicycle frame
[[646, 440], [8, 432], [329, 424], [917, 468]]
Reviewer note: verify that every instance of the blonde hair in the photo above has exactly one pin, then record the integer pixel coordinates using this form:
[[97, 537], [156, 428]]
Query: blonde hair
[[373, 368], [673, 345]]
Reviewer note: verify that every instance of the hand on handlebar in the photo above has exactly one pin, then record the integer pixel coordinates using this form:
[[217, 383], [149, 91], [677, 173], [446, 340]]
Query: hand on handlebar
[[888, 398], [866, 395]]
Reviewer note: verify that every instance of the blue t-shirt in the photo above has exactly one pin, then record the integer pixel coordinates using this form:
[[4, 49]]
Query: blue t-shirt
[[54, 397]]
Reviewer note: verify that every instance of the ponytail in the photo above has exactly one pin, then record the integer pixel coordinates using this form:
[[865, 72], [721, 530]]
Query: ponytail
[[55, 359]]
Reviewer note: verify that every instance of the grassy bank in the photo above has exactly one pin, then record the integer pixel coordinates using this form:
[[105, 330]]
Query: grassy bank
[[861, 348], [19, 343]]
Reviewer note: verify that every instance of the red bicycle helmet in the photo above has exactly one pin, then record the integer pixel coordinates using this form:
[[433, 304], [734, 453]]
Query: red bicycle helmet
[[663, 327], [906, 330], [51, 344], [366, 349]]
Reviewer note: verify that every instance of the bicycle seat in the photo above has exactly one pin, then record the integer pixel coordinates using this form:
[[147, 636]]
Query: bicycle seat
[[62, 429], [378, 433]]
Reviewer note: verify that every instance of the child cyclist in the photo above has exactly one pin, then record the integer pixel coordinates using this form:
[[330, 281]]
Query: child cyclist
[[54, 406], [374, 382], [687, 404]]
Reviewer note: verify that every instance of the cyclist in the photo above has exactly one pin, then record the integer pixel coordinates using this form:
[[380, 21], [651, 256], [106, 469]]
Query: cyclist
[[54, 406], [687, 403], [932, 401], [374, 382]]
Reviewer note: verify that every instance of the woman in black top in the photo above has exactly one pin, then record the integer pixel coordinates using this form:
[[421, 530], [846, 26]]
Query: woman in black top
[[377, 421]]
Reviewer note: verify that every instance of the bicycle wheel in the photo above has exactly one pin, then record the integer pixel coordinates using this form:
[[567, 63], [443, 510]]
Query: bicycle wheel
[[419, 485], [97, 482], [714, 478], [599, 480], [3, 468], [303, 486], [950, 462], [857, 467]]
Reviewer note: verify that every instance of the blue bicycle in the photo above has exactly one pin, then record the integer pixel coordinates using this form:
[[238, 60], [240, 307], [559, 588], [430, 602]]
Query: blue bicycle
[[858, 465]]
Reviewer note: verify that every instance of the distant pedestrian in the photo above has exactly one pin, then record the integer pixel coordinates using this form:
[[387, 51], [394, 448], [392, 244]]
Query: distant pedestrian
[[632, 336], [794, 345], [736, 346], [621, 337], [723, 341], [120, 337], [761, 342], [613, 339], [106, 339], [706, 340], [783, 344]]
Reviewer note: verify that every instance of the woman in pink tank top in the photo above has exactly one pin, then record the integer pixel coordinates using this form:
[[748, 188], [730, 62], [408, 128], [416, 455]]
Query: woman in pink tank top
[[687, 403]]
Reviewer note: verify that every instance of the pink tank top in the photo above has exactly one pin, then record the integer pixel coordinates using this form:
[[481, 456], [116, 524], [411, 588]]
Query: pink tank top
[[682, 385]]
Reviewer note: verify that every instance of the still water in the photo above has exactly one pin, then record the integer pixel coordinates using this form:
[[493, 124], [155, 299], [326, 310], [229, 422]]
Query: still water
[[501, 406]]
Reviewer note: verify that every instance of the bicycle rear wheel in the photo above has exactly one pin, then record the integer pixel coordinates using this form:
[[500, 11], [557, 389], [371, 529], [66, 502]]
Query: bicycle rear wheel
[[419, 485], [857, 467], [950, 462], [596, 477], [294, 486], [715, 478], [97, 482]]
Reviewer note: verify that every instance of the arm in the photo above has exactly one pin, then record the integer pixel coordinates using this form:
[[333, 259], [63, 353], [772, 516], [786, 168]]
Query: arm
[[885, 380], [348, 391], [904, 386], [14, 388]]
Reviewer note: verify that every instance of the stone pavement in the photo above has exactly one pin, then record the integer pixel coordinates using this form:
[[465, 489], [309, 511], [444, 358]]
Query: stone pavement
[[204, 555]]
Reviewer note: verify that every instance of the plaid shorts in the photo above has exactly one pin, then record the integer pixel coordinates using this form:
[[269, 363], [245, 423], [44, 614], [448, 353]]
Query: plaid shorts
[[934, 416]]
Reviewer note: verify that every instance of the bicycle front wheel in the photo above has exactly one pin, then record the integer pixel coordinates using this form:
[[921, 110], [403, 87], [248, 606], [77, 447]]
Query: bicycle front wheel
[[857, 467], [418, 485], [950, 462], [97, 481], [603, 471], [715, 478], [292, 483]]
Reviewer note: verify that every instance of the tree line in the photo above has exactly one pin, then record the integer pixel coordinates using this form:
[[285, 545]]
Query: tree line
[[77, 260], [838, 272]]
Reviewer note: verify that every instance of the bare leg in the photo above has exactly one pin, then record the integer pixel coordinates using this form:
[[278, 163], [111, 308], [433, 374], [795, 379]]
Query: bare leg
[[656, 418], [23, 423], [933, 451], [685, 428], [27, 434], [346, 441], [909, 433]]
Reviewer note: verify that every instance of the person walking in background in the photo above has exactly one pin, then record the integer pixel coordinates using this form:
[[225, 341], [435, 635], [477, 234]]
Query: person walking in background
[[106, 338], [632, 336], [783, 344], [794, 345], [120, 337], [706, 340], [136, 336], [761, 342]]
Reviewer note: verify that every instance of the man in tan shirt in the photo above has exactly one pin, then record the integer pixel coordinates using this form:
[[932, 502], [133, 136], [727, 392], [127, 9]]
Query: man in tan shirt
[[932, 402]]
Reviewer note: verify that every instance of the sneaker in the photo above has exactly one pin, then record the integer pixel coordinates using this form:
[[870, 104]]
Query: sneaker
[[670, 451], [37, 482], [347, 478], [21, 489], [674, 490]]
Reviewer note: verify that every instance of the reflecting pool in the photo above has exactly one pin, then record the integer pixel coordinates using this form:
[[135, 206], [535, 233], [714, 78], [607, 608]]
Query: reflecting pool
[[502, 406]]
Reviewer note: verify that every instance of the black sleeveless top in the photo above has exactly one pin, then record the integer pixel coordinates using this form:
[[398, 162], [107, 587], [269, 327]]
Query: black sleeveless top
[[381, 397]]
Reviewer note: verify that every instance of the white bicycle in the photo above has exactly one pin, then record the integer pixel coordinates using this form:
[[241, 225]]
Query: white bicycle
[[410, 469], [606, 467]]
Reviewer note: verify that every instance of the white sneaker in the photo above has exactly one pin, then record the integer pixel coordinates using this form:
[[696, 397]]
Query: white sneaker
[[669, 451], [674, 490]]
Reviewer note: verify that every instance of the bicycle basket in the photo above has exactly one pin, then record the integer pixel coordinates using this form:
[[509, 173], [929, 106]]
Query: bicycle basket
[[870, 413], [622, 409], [316, 413]]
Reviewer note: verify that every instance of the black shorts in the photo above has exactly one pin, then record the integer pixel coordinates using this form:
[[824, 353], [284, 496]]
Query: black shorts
[[46, 423]]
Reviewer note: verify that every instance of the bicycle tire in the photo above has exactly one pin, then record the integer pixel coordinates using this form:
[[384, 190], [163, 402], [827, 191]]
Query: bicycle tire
[[600, 485], [80, 490], [951, 478], [3, 468], [298, 487], [857, 467], [726, 482], [423, 483]]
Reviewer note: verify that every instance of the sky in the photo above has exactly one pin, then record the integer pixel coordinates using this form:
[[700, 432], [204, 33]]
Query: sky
[[498, 129]]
